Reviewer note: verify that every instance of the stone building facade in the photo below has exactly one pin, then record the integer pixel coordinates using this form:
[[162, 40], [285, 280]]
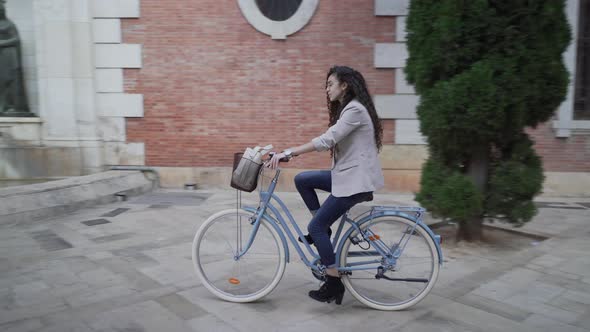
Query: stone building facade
[[181, 85]]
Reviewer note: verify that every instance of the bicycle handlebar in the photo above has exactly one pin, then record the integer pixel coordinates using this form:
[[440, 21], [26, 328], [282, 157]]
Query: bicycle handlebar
[[272, 153]]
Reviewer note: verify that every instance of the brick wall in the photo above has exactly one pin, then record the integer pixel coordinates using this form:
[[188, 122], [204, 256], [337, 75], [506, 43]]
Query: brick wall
[[570, 154], [213, 85]]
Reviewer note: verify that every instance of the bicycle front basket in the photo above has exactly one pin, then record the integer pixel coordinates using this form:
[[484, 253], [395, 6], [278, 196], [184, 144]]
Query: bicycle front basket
[[245, 173]]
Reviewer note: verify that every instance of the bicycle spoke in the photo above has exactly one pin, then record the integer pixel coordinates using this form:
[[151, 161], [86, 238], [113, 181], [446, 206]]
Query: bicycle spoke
[[403, 281], [251, 276]]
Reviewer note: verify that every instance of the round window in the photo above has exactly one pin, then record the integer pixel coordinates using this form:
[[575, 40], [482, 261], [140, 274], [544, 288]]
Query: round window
[[278, 10]]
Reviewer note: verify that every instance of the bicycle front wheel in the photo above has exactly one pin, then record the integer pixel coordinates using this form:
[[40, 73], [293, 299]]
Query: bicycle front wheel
[[404, 281], [238, 279]]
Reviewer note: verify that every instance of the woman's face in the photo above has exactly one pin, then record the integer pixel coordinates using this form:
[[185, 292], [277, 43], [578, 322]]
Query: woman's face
[[334, 88]]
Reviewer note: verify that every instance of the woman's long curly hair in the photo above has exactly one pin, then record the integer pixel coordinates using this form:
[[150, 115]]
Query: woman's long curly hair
[[357, 88]]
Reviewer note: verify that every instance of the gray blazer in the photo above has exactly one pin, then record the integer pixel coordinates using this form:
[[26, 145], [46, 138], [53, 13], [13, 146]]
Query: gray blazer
[[355, 167]]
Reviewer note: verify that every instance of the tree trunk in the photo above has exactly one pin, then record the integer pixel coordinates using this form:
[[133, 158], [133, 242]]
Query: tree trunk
[[471, 230]]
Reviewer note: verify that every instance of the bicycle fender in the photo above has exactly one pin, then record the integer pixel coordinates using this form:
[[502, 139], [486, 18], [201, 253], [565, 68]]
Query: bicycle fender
[[435, 238], [273, 223]]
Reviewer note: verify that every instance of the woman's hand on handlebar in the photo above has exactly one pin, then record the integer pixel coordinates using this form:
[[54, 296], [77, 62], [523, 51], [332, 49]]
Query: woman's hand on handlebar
[[273, 163]]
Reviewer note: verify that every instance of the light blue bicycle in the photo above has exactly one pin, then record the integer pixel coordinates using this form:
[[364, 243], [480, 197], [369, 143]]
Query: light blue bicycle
[[389, 259]]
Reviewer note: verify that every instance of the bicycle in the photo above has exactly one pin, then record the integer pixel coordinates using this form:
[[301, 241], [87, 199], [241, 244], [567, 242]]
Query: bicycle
[[388, 258]]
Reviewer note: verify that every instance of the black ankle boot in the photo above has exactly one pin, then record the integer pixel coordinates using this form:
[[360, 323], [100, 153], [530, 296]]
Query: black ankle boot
[[331, 290], [310, 240]]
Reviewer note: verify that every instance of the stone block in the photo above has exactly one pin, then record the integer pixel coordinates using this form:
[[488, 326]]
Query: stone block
[[566, 183], [80, 11], [543, 323], [408, 132], [57, 53], [125, 154], [115, 8], [117, 55], [391, 7], [390, 55], [109, 80], [403, 156], [398, 106], [112, 129], [401, 180], [82, 49], [107, 30], [400, 29], [58, 113], [120, 104], [401, 85], [20, 131]]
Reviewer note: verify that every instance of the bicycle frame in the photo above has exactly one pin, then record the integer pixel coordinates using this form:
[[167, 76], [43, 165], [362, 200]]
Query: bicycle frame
[[282, 227]]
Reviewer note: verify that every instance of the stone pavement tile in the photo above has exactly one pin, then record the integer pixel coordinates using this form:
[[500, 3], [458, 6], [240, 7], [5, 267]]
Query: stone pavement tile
[[190, 282], [101, 277], [578, 296], [537, 291], [475, 317], [7, 299], [269, 311], [524, 302], [434, 322], [211, 322], [175, 264], [148, 316], [552, 272], [115, 212], [66, 327], [494, 307], [74, 264], [98, 255], [69, 290], [577, 265], [584, 320], [181, 307], [135, 279], [113, 237], [312, 325], [8, 280], [470, 282], [134, 256], [497, 290], [548, 260], [17, 244], [32, 311], [49, 241], [565, 303], [543, 323], [520, 277], [98, 295], [90, 311], [70, 235], [354, 315], [31, 293], [25, 325]]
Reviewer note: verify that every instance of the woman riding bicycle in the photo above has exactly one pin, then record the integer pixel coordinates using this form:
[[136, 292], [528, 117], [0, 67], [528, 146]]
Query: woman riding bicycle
[[354, 139]]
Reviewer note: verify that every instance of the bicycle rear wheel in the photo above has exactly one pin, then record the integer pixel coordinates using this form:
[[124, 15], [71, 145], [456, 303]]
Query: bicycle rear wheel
[[411, 277], [244, 279]]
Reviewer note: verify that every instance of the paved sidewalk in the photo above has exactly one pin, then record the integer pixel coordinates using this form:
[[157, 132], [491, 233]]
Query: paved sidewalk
[[127, 267]]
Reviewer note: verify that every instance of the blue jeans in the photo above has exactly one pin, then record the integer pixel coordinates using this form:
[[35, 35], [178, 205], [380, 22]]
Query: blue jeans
[[327, 213]]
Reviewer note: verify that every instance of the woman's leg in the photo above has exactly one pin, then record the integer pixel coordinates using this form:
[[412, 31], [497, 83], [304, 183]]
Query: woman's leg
[[329, 212], [306, 184]]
